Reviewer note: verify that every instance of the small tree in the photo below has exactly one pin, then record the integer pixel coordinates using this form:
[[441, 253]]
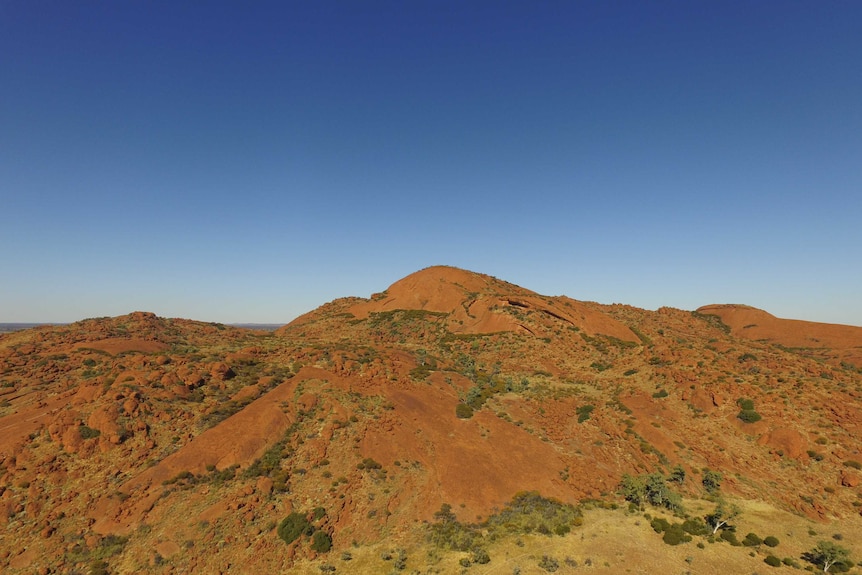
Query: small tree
[[722, 516], [633, 489], [445, 514], [711, 480], [673, 502], [677, 475], [652, 489], [826, 554], [656, 489], [321, 542]]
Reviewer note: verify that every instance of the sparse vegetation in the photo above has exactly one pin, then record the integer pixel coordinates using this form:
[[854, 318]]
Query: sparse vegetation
[[369, 387], [526, 513], [368, 464]]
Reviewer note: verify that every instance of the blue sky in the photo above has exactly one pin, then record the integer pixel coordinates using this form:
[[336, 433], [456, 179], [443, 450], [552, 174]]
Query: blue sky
[[247, 163]]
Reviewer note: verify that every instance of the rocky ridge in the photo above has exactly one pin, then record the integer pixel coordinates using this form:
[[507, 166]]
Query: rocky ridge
[[188, 442]]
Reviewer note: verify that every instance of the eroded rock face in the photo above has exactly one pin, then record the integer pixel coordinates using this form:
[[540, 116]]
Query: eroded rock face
[[838, 342], [475, 303], [104, 419], [221, 371], [788, 442]]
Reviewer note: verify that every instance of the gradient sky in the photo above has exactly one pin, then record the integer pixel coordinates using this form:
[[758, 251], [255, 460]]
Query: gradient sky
[[247, 162]]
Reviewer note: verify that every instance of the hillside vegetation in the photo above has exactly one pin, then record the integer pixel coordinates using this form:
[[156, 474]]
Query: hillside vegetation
[[454, 422]]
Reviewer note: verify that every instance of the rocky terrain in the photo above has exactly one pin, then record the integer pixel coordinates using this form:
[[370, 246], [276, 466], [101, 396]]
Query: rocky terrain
[[140, 444]]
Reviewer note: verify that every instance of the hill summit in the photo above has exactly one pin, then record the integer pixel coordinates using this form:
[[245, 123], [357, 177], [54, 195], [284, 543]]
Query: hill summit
[[451, 413], [474, 303]]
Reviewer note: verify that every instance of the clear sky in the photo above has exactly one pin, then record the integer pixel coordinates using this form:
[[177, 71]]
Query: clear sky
[[249, 161]]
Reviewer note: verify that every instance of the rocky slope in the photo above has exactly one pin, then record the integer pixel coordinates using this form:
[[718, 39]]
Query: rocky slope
[[143, 444]]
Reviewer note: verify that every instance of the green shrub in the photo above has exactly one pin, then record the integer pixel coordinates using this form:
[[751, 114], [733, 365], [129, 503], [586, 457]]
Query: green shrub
[[88, 432], [463, 411], [420, 372], [816, 456], [292, 527], [772, 561], [400, 563], [696, 526], [674, 535], [529, 512], [745, 404], [481, 556], [549, 564], [321, 542], [659, 524], [711, 480], [730, 537], [852, 463], [269, 464], [449, 533], [752, 540], [749, 416], [368, 463], [584, 412], [183, 477], [109, 546], [771, 541]]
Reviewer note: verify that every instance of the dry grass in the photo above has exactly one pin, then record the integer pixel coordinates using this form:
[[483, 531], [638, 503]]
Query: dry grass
[[615, 541]]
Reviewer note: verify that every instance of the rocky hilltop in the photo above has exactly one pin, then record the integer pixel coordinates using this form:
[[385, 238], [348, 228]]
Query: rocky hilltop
[[142, 444]]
